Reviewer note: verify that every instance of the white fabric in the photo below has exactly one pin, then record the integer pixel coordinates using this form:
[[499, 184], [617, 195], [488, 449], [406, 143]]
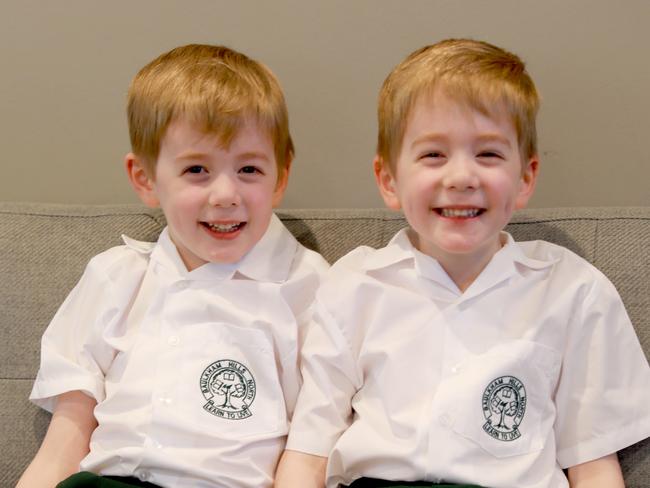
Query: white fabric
[[158, 347], [402, 371]]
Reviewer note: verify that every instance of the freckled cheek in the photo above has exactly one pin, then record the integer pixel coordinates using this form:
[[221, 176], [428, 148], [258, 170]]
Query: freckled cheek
[[416, 211], [261, 198], [503, 194], [182, 210], [190, 197], [185, 205]]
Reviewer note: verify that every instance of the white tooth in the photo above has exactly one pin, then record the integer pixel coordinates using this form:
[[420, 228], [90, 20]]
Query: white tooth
[[464, 213], [223, 227]]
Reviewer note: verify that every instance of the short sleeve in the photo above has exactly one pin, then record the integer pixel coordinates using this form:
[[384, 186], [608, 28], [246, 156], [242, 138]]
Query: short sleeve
[[330, 379], [308, 268], [604, 390], [74, 355]]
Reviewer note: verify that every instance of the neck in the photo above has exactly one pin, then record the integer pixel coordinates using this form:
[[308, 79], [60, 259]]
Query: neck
[[463, 268], [462, 271]]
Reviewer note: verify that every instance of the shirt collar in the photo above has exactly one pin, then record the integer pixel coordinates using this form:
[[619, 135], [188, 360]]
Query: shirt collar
[[506, 262], [517, 255], [502, 265], [398, 249], [269, 260]]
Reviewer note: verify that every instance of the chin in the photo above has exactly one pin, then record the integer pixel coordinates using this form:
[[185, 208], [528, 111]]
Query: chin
[[227, 258], [224, 259]]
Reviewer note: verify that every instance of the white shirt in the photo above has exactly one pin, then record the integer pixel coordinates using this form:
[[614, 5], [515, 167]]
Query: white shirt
[[534, 368], [195, 373]]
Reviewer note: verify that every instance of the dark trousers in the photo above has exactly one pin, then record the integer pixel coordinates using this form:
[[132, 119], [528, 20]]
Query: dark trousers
[[375, 483], [85, 479]]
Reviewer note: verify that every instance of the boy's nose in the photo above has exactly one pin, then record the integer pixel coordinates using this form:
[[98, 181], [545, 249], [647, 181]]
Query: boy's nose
[[223, 192], [460, 174]]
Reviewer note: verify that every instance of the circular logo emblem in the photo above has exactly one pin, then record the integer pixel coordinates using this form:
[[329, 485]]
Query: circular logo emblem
[[504, 405], [229, 388]]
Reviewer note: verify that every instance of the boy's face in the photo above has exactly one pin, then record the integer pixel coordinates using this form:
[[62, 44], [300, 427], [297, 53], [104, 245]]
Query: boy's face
[[218, 202], [458, 178]]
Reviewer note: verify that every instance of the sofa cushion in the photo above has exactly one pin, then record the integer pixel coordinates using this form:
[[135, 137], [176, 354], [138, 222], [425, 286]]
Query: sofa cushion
[[46, 247]]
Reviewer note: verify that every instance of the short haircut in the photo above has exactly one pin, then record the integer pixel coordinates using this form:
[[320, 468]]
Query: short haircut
[[485, 77], [216, 88]]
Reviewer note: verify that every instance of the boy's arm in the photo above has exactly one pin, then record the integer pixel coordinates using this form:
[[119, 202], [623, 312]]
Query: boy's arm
[[65, 444], [300, 470], [604, 472]]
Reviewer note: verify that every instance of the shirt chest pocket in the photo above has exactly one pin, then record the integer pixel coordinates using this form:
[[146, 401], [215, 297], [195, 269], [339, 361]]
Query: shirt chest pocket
[[229, 384], [502, 400]]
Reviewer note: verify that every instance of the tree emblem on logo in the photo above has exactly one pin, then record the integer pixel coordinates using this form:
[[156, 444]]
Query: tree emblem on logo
[[504, 406], [229, 388]]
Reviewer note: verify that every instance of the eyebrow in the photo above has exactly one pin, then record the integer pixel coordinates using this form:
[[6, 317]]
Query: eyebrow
[[435, 137], [253, 155], [200, 156], [429, 138], [191, 156], [494, 138]]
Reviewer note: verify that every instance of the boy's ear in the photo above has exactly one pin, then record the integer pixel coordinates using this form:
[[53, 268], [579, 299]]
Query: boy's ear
[[528, 181], [386, 183], [281, 185], [141, 182]]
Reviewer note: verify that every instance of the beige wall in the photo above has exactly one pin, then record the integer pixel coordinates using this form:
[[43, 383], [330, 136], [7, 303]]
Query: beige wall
[[66, 66]]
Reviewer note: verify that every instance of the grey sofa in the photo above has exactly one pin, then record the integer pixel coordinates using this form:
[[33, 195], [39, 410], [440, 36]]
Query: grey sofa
[[44, 249]]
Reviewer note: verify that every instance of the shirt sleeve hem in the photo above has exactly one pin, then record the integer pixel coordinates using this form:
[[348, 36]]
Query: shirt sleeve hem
[[602, 446], [314, 447], [44, 393]]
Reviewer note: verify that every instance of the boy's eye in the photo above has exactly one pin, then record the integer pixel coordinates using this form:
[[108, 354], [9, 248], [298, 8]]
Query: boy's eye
[[490, 154], [195, 170], [432, 155], [432, 158], [250, 170]]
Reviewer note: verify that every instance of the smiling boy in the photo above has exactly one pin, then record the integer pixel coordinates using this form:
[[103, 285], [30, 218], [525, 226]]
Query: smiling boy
[[455, 355], [218, 201], [458, 178], [175, 363]]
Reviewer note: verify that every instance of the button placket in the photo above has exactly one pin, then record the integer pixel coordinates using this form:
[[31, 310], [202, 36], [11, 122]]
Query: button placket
[[169, 337]]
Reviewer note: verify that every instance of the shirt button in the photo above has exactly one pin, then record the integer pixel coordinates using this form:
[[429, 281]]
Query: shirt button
[[445, 420], [174, 340], [143, 475], [455, 369], [181, 285]]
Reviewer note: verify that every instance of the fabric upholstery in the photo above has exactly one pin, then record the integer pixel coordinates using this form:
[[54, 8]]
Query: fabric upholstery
[[45, 248]]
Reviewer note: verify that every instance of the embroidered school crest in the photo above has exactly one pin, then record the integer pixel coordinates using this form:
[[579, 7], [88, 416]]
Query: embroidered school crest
[[229, 388], [504, 406]]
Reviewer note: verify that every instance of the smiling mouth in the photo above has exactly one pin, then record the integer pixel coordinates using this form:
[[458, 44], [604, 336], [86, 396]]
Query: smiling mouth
[[459, 213], [224, 228]]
